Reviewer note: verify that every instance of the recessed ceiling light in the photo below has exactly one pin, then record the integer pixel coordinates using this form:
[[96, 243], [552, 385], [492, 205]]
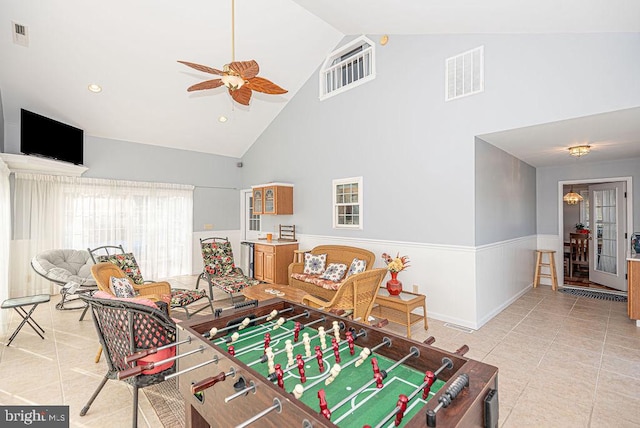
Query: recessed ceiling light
[[222, 119], [94, 88]]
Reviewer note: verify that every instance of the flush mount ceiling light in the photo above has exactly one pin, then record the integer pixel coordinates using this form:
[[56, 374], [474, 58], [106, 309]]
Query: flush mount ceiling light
[[239, 77], [94, 88], [572, 198], [578, 151]]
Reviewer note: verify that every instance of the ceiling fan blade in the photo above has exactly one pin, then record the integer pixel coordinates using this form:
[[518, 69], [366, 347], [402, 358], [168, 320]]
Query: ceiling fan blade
[[242, 95], [202, 68], [207, 84], [265, 86], [246, 69]]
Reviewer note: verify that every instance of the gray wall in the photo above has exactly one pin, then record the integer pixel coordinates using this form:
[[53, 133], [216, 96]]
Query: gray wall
[[505, 195], [1, 125], [414, 150], [216, 198], [547, 187]]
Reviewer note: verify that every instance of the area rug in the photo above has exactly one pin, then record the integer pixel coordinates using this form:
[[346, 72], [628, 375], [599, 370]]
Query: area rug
[[602, 295], [167, 403]]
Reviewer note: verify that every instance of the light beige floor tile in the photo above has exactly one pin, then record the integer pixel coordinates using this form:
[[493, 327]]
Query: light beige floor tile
[[615, 383], [604, 418], [622, 352], [624, 367], [622, 406], [580, 342], [624, 341]]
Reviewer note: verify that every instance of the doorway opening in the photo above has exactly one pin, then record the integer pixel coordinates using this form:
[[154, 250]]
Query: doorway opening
[[595, 232]]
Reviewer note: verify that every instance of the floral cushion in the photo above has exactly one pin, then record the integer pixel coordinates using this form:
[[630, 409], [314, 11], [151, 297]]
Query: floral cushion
[[334, 272], [127, 264], [314, 264], [121, 287], [233, 283], [182, 297], [218, 258], [316, 280], [357, 266]]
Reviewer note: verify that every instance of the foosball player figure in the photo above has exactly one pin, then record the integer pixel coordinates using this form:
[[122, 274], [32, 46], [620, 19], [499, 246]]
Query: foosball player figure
[[324, 409], [267, 340], [280, 373], [307, 344], [429, 377], [319, 358], [352, 349], [376, 372], [336, 349], [402, 404], [232, 350], [323, 337], [288, 346], [300, 362], [296, 331], [336, 330]]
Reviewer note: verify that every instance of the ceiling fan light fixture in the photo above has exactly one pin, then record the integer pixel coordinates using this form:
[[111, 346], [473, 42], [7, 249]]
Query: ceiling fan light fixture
[[579, 151], [232, 82]]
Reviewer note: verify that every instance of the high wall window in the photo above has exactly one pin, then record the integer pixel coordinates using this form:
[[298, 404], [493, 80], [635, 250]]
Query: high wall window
[[347, 67], [347, 203]]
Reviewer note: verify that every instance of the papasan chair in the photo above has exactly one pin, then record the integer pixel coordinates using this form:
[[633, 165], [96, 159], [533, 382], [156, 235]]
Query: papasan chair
[[71, 269]]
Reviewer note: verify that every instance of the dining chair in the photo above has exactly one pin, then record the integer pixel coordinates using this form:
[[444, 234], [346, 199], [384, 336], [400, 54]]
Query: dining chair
[[579, 250]]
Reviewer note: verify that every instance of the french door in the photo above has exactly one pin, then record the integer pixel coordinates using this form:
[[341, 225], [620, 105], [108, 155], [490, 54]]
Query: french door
[[607, 243]]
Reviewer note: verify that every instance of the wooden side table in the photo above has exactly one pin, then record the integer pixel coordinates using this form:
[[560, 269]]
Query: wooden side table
[[399, 309]]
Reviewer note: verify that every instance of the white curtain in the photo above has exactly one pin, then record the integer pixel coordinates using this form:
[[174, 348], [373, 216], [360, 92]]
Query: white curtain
[[5, 237], [151, 220]]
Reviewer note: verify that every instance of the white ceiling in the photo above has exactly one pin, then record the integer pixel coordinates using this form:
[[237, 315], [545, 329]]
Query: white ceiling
[[130, 48]]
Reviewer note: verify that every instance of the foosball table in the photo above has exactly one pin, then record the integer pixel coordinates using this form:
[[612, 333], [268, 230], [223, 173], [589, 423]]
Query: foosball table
[[282, 364]]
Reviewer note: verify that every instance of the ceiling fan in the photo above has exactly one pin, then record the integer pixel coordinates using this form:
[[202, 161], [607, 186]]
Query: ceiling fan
[[240, 77]]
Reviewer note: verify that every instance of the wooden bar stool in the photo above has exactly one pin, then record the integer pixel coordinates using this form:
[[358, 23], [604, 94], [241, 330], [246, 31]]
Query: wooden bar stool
[[551, 266]]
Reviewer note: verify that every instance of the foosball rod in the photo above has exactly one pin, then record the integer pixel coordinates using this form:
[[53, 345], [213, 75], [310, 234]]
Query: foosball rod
[[146, 352], [272, 377], [251, 388], [279, 336], [445, 399], [263, 359], [324, 376], [187, 370], [240, 305], [276, 406], [215, 331], [281, 321], [136, 370], [447, 363], [415, 352]]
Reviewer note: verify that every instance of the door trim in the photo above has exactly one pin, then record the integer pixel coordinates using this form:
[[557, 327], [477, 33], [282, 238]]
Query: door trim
[[629, 219]]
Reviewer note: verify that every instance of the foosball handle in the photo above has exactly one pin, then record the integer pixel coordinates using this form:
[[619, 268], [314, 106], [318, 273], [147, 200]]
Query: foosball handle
[[207, 383], [462, 350], [134, 371], [429, 340], [381, 323], [431, 418]]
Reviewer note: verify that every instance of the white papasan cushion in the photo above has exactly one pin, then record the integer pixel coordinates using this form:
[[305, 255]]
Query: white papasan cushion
[[63, 266]]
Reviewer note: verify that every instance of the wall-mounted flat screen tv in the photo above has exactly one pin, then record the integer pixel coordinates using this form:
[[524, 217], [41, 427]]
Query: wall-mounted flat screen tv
[[46, 137]]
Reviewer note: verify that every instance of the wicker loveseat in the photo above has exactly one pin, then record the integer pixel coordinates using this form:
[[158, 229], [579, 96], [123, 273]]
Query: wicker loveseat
[[335, 254]]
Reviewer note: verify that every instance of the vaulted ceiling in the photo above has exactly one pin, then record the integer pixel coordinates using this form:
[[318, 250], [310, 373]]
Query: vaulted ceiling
[[131, 49]]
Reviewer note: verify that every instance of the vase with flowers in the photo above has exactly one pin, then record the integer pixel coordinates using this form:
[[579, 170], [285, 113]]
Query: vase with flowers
[[394, 265]]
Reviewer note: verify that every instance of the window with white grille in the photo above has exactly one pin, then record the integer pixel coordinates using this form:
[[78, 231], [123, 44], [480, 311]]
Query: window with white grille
[[465, 74], [347, 203], [348, 67]]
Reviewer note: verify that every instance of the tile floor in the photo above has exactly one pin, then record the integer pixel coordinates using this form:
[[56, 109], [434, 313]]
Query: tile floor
[[564, 362]]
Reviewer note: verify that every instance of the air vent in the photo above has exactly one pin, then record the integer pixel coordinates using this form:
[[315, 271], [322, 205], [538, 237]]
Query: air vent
[[20, 34], [465, 74]]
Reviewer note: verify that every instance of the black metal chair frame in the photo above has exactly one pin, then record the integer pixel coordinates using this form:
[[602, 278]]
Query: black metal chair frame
[[118, 339], [117, 249]]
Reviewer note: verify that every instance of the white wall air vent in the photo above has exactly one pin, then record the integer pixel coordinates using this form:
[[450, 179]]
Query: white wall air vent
[[20, 34], [348, 67], [465, 74]]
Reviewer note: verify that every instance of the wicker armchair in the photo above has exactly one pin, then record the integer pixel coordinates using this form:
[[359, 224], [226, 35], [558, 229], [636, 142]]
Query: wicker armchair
[[125, 328], [102, 272], [355, 296]]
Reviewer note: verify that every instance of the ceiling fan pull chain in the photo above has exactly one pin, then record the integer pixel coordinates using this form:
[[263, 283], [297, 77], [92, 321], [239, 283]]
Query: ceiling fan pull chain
[[233, 30]]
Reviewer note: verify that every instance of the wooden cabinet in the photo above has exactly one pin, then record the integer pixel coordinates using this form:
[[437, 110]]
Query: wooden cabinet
[[273, 199], [633, 290], [271, 262]]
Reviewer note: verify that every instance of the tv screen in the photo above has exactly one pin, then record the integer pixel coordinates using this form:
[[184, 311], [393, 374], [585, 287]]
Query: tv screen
[[46, 137]]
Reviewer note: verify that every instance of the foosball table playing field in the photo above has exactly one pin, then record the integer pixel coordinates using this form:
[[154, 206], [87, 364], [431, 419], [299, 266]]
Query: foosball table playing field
[[282, 364]]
